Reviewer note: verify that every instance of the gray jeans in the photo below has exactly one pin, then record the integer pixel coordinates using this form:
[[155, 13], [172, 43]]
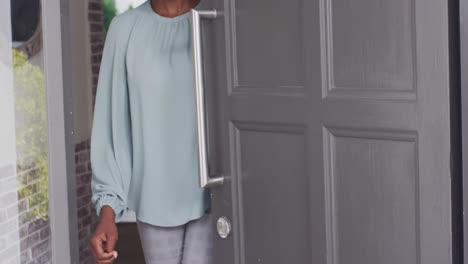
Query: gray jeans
[[191, 243]]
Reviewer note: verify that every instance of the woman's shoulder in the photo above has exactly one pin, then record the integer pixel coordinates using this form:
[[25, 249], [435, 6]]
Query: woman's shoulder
[[125, 21]]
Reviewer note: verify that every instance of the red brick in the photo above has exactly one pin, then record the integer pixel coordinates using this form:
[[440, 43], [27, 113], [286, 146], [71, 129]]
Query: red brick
[[94, 6], [85, 178], [95, 17], [80, 168], [80, 146], [96, 27]]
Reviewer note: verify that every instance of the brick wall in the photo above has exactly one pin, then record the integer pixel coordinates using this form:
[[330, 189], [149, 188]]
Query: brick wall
[[87, 218], [9, 226], [97, 36], [24, 234]]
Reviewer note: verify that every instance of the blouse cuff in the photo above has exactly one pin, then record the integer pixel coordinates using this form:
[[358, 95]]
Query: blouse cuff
[[114, 202]]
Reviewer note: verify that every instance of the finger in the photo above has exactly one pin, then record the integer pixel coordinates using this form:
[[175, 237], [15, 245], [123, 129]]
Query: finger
[[91, 248], [97, 252], [106, 261], [94, 246], [110, 244], [106, 257], [100, 254]]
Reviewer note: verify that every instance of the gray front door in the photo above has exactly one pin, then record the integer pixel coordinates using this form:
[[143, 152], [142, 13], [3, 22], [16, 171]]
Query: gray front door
[[330, 121]]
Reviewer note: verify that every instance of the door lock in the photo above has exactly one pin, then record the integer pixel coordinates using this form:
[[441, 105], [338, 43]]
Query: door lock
[[223, 226]]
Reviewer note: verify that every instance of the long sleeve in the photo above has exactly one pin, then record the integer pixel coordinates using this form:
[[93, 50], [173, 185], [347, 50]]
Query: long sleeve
[[111, 139]]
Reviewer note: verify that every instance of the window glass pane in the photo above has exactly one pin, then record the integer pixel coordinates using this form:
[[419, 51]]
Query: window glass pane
[[24, 221]]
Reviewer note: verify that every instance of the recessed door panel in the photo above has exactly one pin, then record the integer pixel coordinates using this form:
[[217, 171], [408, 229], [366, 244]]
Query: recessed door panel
[[371, 44], [373, 193], [264, 214]]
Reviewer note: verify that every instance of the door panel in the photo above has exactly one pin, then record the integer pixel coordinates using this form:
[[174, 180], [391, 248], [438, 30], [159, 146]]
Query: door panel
[[331, 125], [373, 205], [264, 182], [258, 44], [357, 33]]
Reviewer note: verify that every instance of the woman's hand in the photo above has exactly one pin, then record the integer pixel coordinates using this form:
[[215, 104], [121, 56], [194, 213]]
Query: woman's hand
[[105, 236]]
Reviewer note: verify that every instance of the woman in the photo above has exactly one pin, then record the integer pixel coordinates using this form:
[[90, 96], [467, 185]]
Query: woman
[[143, 142]]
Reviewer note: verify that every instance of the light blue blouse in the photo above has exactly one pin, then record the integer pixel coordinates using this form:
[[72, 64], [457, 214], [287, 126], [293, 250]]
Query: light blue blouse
[[143, 142]]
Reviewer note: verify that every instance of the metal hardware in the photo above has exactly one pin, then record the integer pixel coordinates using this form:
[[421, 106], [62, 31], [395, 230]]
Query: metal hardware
[[205, 180], [223, 226]]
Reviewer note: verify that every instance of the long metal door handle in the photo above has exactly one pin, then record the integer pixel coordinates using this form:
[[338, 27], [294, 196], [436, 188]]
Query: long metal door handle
[[205, 180]]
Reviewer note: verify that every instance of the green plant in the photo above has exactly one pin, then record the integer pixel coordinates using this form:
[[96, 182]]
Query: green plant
[[31, 131], [109, 10]]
